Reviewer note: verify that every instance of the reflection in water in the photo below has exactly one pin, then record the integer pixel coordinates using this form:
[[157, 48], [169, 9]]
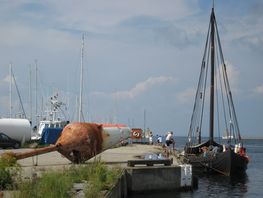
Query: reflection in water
[[215, 185], [240, 182]]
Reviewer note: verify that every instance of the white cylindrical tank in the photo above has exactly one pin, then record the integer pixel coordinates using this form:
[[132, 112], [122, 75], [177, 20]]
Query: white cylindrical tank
[[115, 134], [17, 129]]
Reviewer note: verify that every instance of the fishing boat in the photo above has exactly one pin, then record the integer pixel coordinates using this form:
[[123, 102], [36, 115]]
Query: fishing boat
[[214, 114], [52, 123]]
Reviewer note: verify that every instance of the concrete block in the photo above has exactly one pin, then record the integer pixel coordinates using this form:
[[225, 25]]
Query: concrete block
[[186, 175], [147, 179]]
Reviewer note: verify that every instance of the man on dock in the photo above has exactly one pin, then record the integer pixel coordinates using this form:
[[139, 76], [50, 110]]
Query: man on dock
[[159, 140], [169, 139]]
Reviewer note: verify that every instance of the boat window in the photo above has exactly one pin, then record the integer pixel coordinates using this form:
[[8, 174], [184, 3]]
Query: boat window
[[51, 125]]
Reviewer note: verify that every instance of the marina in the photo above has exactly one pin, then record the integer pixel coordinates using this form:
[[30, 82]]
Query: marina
[[248, 185], [101, 99]]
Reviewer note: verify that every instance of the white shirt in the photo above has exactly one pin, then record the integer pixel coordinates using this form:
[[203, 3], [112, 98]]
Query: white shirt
[[169, 136]]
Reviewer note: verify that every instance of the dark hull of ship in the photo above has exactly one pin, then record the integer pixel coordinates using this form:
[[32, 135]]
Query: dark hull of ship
[[227, 163]]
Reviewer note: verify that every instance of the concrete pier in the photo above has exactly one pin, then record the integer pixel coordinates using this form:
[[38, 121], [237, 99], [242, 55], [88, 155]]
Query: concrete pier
[[140, 178], [119, 155]]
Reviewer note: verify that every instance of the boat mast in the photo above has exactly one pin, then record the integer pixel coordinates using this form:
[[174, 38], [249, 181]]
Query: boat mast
[[81, 78], [36, 116], [23, 115], [10, 90], [30, 92], [212, 37]]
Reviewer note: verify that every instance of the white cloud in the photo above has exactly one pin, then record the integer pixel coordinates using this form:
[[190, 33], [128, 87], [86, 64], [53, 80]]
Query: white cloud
[[186, 96], [7, 79], [259, 89], [138, 89], [111, 12], [4, 83], [233, 76]]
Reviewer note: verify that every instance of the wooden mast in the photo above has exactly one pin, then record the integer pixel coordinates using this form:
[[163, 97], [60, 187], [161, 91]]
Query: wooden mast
[[212, 37]]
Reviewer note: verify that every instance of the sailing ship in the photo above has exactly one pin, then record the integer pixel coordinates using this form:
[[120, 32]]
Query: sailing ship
[[225, 157]]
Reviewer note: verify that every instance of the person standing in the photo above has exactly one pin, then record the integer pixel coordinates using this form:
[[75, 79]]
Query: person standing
[[169, 139], [159, 140], [151, 138]]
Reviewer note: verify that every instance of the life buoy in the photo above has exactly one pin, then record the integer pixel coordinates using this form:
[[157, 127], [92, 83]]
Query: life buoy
[[136, 134]]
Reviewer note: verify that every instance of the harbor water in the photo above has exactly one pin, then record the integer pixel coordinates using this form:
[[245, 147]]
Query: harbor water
[[247, 185]]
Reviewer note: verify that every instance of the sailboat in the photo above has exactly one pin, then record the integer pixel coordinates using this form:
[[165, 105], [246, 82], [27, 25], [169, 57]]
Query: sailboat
[[225, 157]]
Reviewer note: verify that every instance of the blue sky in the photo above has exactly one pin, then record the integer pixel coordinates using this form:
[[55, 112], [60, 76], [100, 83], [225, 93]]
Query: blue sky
[[139, 55]]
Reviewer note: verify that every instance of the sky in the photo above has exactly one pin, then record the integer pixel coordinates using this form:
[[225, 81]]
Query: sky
[[141, 58]]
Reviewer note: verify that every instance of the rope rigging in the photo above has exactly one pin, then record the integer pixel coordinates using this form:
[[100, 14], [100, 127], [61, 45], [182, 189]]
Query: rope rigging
[[224, 105], [19, 95]]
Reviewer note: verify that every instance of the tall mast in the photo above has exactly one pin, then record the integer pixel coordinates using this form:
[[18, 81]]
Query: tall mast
[[144, 123], [36, 94], [30, 92], [211, 127], [19, 96], [81, 78], [10, 90]]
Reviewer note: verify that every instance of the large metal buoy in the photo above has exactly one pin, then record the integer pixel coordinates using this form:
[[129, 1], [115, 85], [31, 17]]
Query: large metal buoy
[[81, 141]]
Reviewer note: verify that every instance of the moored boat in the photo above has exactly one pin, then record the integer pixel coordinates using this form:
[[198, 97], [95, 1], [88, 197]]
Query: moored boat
[[52, 124], [224, 157]]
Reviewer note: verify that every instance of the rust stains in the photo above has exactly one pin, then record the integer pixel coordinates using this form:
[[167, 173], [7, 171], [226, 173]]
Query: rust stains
[[38, 151], [80, 141]]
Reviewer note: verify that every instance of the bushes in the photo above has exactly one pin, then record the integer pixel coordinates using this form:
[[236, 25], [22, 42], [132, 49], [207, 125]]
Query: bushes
[[5, 179], [8, 169]]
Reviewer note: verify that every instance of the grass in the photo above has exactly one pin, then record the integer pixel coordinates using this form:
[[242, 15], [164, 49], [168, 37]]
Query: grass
[[97, 176], [59, 184], [51, 184]]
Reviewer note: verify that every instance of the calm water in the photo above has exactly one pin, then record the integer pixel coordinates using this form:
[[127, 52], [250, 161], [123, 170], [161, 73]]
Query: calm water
[[248, 185]]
